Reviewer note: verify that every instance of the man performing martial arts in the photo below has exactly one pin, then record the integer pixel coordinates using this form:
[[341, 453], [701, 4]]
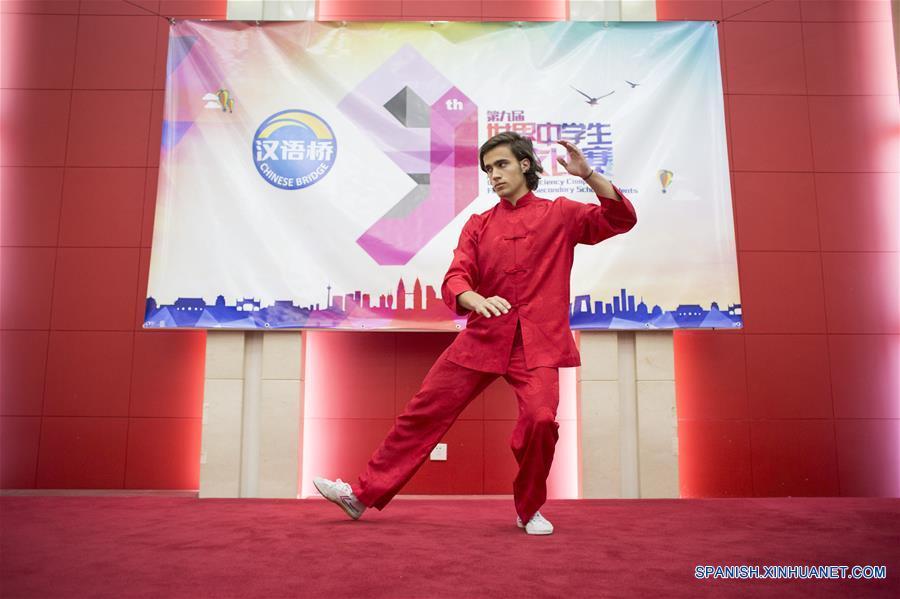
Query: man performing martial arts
[[510, 274]]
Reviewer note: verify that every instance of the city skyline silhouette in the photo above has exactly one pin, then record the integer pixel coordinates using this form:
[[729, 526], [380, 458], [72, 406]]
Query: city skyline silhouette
[[420, 307]]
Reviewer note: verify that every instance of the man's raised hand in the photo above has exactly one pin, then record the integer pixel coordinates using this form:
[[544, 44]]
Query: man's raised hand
[[576, 164]]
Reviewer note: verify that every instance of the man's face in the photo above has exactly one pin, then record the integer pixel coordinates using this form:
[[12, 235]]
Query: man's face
[[505, 173]]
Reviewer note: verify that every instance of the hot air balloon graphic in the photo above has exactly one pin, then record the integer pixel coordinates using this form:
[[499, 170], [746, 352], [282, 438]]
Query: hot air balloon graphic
[[225, 100], [665, 177]]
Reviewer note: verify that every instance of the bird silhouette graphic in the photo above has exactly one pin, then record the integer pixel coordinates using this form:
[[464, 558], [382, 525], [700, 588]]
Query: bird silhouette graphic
[[592, 101], [633, 85]]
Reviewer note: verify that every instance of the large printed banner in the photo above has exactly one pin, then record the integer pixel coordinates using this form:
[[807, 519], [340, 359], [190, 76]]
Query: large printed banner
[[317, 175]]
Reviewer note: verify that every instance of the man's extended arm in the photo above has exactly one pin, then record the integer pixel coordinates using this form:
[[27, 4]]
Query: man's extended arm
[[601, 186], [592, 223], [462, 278], [463, 273]]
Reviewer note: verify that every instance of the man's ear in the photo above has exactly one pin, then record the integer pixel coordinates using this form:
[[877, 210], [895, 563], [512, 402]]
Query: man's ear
[[525, 164]]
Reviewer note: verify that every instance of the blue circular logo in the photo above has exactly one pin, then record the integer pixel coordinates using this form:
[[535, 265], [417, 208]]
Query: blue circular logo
[[293, 149]]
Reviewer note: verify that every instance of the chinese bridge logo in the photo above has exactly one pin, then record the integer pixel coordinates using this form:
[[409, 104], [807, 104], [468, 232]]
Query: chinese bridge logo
[[293, 149]]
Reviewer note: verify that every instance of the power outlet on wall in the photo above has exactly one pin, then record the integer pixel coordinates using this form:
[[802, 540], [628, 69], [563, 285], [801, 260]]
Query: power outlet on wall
[[439, 453]]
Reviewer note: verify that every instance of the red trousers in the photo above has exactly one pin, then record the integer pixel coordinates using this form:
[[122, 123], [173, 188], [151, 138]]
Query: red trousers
[[446, 391]]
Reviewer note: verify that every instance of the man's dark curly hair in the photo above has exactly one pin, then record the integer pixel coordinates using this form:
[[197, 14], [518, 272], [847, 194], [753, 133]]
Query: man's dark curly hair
[[521, 147]]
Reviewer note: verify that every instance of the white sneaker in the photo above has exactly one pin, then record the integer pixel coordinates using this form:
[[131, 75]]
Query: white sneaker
[[538, 525], [340, 493]]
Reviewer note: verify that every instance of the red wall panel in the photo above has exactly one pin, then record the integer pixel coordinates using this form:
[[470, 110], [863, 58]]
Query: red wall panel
[[35, 123], [50, 7], [23, 355], [129, 67], [115, 7], [93, 288], [793, 457], [854, 133], [168, 367], [718, 393], [102, 207], [714, 457], [88, 373], [812, 126], [752, 10], [27, 287], [460, 10], [523, 10], [20, 437], [82, 452], [109, 128], [857, 279], [30, 200], [688, 10], [776, 211], [849, 58], [769, 133], [160, 453], [781, 292], [846, 11], [360, 10], [868, 456], [864, 376], [87, 399], [776, 68], [49, 43], [858, 212], [787, 376]]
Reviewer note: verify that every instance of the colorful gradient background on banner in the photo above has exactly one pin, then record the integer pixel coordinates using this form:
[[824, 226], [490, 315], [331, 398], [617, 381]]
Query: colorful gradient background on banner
[[392, 115]]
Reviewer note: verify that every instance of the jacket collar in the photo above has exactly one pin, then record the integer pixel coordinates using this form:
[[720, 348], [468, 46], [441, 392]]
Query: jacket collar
[[526, 199]]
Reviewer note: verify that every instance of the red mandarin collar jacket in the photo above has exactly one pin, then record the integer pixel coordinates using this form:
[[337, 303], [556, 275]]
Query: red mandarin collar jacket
[[523, 253]]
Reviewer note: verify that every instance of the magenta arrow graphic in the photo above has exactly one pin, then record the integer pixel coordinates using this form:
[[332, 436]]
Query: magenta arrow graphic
[[429, 128]]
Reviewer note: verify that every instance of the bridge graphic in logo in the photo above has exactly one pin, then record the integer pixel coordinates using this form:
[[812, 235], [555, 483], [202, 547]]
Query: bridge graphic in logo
[[429, 128]]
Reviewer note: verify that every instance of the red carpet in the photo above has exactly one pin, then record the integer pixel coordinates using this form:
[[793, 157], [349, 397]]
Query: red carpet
[[164, 547]]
